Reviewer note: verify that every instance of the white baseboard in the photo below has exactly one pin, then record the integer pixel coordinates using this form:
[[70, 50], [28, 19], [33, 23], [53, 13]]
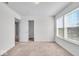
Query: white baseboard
[[4, 51]]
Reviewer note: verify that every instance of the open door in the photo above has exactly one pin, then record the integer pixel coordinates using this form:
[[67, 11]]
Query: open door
[[16, 31], [31, 30]]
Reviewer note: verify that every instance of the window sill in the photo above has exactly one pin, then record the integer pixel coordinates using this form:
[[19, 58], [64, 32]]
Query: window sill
[[69, 40]]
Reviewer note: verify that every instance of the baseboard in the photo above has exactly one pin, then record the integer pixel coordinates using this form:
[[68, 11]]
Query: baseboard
[[46, 41], [4, 51]]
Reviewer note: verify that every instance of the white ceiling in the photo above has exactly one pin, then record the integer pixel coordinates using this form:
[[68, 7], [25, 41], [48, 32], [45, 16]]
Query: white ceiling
[[41, 9]]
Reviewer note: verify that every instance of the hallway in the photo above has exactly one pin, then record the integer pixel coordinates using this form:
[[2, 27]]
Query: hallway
[[37, 49]]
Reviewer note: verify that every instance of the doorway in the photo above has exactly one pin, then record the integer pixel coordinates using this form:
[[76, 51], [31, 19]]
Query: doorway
[[31, 30], [16, 30]]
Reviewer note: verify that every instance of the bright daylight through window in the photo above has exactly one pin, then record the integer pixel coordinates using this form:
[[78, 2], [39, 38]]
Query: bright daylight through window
[[60, 27], [68, 26], [72, 25]]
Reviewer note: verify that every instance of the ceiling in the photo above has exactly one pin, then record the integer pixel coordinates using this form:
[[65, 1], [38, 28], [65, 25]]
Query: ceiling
[[41, 9]]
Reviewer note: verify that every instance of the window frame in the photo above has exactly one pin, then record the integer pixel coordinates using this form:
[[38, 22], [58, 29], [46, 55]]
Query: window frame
[[65, 30], [57, 28]]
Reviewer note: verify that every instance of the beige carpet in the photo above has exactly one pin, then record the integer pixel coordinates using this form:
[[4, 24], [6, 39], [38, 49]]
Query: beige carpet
[[37, 49]]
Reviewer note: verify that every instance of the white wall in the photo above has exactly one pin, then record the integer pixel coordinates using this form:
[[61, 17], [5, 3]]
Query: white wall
[[43, 28], [72, 48], [7, 28], [23, 31]]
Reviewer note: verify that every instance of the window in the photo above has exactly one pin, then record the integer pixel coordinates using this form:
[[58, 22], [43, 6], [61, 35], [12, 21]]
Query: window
[[60, 29], [72, 25], [68, 26]]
